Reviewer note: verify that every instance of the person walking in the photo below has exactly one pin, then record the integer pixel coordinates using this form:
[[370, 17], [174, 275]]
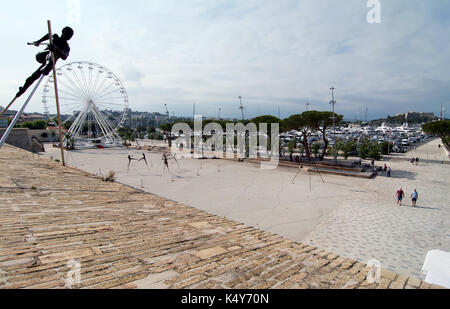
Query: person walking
[[389, 171], [414, 197], [400, 196]]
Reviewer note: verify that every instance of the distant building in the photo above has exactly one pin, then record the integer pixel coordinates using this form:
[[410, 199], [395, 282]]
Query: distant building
[[9, 113], [354, 125], [31, 118], [3, 123], [413, 115]]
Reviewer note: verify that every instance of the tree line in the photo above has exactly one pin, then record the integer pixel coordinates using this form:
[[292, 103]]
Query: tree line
[[439, 129]]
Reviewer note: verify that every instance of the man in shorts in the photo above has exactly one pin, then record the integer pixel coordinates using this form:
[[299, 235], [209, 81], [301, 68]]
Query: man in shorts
[[414, 197], [400, 196]]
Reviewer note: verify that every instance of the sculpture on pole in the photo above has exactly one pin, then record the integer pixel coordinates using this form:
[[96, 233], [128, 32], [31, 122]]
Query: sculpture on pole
[[59, 46]]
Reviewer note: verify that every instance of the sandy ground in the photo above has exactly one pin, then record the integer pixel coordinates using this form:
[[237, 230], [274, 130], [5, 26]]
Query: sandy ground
[[353, 217]]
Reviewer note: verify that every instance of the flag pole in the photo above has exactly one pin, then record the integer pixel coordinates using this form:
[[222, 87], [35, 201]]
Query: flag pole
[[50, 37]]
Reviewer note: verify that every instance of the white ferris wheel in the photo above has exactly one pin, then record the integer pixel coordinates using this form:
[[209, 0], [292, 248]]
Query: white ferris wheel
[[93, 102]]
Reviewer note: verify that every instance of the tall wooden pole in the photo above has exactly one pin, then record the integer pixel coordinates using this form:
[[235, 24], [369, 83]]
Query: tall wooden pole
[[50, 37], [333, 102]]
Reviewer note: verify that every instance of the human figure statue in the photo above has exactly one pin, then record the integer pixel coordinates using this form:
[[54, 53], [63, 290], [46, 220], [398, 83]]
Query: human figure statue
[[144, 158], [166, 162], [130, 159], [61, 50]]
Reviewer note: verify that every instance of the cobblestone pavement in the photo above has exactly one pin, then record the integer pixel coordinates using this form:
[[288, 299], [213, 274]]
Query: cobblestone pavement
[[124, 238], [372, 226]]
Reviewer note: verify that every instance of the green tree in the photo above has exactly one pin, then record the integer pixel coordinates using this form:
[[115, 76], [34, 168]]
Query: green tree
[[316, 148], [36, 125], [292, 146], [439, 129], [268, 120], [67, 125], [370, 150], [70, 141], [141, 129], [156, 136], [302, 150], [298, 122], [347, 148], [53, 135], [322, 121], [385, 148]]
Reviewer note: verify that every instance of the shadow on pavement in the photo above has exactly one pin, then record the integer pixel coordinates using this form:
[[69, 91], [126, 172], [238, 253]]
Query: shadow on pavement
[[422, 207], [403, 174]]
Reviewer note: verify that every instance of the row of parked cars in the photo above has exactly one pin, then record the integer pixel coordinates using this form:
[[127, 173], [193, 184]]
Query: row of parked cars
[[401, 142]]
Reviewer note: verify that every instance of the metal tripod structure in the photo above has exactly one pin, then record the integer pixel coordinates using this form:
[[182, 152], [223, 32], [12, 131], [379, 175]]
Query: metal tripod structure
[[90, 109], [19, 113]]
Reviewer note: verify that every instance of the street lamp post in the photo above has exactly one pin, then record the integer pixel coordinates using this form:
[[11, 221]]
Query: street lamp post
[[333, 103], [241, 108]]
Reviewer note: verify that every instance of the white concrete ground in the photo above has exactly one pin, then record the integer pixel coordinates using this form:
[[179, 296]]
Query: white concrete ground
[[352, 217]]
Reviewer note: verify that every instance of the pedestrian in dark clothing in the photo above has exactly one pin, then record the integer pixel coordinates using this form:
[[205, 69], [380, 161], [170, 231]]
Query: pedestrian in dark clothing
[[400, 196]]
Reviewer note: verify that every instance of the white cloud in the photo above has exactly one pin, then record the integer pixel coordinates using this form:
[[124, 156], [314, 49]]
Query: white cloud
[[270, 52]]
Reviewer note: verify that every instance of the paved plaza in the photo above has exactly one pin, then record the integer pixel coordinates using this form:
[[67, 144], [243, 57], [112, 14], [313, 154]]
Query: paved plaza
[[372, 226], [357, 218], [54, 217]]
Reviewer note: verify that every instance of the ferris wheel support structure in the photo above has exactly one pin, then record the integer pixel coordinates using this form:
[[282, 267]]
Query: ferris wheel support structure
[[93, 100]]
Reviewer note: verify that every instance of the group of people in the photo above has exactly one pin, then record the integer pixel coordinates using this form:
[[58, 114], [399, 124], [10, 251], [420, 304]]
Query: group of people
[[401, 195], [387, 170], [415, 161]]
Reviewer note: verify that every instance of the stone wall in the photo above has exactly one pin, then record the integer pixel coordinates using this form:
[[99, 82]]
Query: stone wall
[[21, 138]]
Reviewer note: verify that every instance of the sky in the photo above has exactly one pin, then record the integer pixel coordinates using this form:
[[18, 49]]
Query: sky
[[277, 55]]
